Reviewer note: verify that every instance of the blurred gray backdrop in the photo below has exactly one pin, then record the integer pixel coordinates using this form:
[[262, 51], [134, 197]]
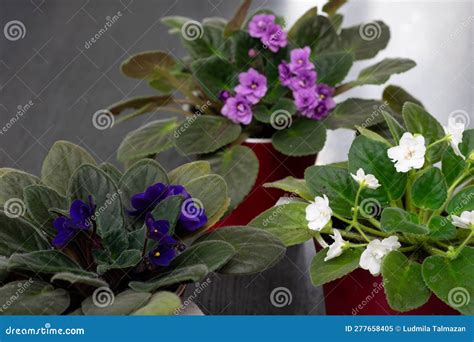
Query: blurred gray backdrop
[[65, 81]]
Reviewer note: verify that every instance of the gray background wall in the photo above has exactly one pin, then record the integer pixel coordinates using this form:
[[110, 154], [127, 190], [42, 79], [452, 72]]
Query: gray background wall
[[68, 82]]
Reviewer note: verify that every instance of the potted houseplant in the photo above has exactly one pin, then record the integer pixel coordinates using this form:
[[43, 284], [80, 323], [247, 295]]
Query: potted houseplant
[[389, 220], [87, 239], [256, 98]]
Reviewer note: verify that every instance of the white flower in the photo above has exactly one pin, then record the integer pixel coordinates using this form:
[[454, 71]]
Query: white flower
[[455, 130], [336, 248], [371, 258], [318, 213], [466, 220], [364, 180], [410, 154]]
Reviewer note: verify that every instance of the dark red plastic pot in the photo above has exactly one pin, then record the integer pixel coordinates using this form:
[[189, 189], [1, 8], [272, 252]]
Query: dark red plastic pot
[[360, 293], [272, 166]]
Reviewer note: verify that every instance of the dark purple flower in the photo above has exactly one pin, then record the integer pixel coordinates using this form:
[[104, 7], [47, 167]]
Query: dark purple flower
[[326, 102], [193, 216], [238, 109], [299, 59], [252, 85], [223, 95], [303, 79], [284, 73], [158, 230], [275, 38], [145, 201], [65, 231], [259, 25], [177, 190], [162, 255]]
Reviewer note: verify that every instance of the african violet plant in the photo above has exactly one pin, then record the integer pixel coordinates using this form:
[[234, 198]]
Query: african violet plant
[[87, 239], [392, 211], [249, 77]]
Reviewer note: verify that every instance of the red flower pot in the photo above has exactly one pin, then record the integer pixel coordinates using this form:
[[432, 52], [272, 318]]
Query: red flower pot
[[273, 166], [360, 293]]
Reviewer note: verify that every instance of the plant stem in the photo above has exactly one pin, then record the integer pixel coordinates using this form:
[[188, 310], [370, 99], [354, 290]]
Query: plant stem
[[445, 138], [434, 250], [374, 222], [458, 250]]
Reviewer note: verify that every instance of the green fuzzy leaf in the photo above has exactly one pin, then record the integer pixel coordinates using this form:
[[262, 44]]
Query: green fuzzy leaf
[[256, 249], [301, 22], [381, 72], [61, 162], [332, 6], [160, 304], [175, 22], [336, 184], [353, 112], [293, 185], [279, 115], [213, 254], [365, 40], [169, 209], [441, 228], [210, 191], [287, 221], [73, 278], [19, 236], [187, 172], [403, 282], [323, 272], [316, 32], [303, 138], [30, 297], [238, 166], [452, 165], [396, 130], [462, 201], [12, 184], [399, 220], [146, 64], [429, 191], [396, 97], [126, 259], [238, 19], [214, 74], [205, 40], [206, 134], [333, 67], [417, 120], [452, 281], [39, 199], [123, 304], [467, 145], [180, 275], [112, 171], [372, 135], [140, 105]]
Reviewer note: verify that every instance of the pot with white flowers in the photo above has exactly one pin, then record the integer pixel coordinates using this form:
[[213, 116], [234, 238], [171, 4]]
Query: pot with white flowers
[[255, 98], [395, 231]]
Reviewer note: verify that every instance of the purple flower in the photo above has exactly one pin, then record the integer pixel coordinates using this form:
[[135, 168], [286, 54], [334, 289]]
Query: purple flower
[[299, 59], [306, 99], [326, 102], [162, 255], [252, 53], [177, 190], [284, 73], [275, 38], [158, 230], [259, 25], [145, 201], [252, 85], [303, 79], [238, 109], [192, 217], [223, 95]]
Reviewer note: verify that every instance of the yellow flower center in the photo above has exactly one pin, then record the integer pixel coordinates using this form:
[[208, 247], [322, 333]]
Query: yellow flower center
[[157, 254]]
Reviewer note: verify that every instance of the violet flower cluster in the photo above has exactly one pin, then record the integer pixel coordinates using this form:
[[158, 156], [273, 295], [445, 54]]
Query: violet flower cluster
[[271, 35], [252, 87], [159, 230], [312, 100]]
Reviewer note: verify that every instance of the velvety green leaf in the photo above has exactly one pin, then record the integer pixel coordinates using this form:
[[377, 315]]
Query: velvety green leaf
[[396, 130], [73, 278], [126, 259], [323, 272], [210, 190], [169, 209], [353, 112], [46, 261], [333, 67], [214, 74], [256, 249], [39, 199], [187, 172], [396, 97], [336, 184], [152, 138], [467, 145], [399, 220], [238, 166], [175, 22], [365, 40], [238, 19], [316, 32], [123, 304], [205, 40], [180, 275], [160, 304], [293, 185], [403, 283], [303, 138], [429, 191], [452, 165], [301, 22], [205, 134], [139, 103], [12, 184], [19, 236], [452, 280], [213, 254], [287, 221], [372, 157], [62, 160], [462, 201], [381, 72], [441, 228], [372, 135], [112, 171], [31, 297], [146, 64], [282, 110], [418, 120], [332, 6], [3, 268]]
